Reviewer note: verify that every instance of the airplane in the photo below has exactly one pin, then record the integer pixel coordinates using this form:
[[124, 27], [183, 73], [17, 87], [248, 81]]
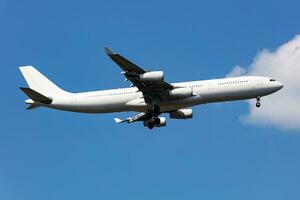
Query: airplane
[[149, 94]]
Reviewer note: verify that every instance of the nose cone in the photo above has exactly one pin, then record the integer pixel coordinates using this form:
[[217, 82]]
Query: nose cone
[[278, 86]]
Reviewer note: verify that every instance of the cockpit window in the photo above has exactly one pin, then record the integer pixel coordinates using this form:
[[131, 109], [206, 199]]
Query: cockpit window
[[272, 79]]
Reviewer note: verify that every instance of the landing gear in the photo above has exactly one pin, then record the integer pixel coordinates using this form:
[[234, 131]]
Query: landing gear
[[258, 102], [156, 120], [155, 109], [150, 125]]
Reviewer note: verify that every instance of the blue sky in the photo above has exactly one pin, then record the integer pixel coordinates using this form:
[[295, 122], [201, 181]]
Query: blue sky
[[48, 154]]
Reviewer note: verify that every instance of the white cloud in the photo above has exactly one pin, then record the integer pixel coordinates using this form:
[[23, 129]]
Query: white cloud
[[281, 109], [236, 71]]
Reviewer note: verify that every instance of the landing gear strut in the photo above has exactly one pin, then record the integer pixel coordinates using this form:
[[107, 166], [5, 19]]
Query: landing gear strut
[[155, 119], [257, 102], [155, 109]]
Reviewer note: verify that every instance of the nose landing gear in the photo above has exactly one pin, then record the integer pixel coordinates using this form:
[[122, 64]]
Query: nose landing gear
[[258, 102]]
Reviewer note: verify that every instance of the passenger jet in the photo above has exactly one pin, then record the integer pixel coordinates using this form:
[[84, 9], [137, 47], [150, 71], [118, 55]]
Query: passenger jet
[[149, 94]]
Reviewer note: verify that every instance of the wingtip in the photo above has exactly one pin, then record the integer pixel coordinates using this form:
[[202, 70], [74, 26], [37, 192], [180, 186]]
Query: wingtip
[[108, 51], [25, 67]]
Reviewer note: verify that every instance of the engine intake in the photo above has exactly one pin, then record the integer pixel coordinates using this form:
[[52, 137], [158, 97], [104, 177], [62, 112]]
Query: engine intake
[[186, 113], [181, 92], [154, 76]]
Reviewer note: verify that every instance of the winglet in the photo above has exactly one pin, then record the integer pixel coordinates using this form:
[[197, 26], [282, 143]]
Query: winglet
[[108, 51], [117, 120]]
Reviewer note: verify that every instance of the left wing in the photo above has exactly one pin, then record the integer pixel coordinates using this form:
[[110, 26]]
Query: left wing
[[135, 74]]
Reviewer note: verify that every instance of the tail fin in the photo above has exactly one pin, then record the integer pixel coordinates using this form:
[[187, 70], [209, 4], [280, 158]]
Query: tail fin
[[39, 83]]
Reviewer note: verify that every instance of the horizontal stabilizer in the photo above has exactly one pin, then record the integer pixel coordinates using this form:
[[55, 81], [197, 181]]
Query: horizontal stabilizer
[[35, 96], [32, 106], [117, 120], [139, 117]]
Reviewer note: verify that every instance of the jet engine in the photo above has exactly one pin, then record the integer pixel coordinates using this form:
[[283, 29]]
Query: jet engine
[[162, 122], [154, 76], [186, 113], [181, 92]]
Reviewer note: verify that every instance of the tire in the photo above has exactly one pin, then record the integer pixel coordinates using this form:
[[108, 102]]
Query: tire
[[156, 121], [257, 104], [150, 125]]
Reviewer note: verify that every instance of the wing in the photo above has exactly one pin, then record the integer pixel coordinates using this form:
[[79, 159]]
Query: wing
[[133, 72]]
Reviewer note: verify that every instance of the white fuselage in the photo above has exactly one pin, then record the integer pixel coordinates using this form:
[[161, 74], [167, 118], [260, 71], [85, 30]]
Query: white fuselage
[[130, 99]]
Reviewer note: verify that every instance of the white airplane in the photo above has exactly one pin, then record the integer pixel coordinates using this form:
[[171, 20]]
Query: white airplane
[[149, 94]]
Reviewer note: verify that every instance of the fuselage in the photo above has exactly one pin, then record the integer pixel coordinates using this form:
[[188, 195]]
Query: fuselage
[[203, 91]]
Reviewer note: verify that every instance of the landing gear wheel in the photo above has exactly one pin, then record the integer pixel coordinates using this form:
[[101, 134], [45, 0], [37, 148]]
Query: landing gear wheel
[[257, 104], [258, 101], [156, 121], [150, 125]]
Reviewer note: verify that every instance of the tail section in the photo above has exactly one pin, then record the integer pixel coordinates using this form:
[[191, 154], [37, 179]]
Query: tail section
[[117, 120], [39, 84], [32, 106], [35, 96], [36, 99]]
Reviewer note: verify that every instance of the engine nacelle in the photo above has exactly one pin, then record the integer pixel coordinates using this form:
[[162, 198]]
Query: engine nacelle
[[154, 76], [186, 113], [163, 122], [181, 92]]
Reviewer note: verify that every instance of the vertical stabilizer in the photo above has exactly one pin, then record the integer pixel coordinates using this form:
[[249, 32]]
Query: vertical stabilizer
[[38, 82]]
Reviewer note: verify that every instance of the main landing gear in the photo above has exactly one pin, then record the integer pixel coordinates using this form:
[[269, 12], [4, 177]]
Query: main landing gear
[[153, 122], [150, 125], [258, 102], [155, 110]]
